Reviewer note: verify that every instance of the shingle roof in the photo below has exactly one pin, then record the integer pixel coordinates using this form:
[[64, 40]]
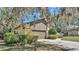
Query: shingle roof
[[36, 21]]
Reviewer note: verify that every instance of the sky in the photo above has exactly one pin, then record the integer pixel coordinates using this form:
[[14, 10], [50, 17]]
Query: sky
[[36, 15], [54, 10]]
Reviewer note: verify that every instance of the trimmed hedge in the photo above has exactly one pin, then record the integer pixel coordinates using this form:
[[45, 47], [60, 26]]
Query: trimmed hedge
[[60, 36], [52, 37]]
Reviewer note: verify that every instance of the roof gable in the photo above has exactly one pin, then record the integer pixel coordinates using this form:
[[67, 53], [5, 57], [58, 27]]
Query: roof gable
[[39, 26]]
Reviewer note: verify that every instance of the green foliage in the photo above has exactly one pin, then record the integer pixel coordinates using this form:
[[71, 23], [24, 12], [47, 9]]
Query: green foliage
[[7, 30], [62, 9], [30, 38], [22, 39], [52, 31], [52, 37], [60, 36], [55, 36], [58, 29], [10, 38], [5, 12]]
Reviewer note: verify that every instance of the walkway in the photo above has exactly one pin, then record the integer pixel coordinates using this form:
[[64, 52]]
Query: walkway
[[68, 45]]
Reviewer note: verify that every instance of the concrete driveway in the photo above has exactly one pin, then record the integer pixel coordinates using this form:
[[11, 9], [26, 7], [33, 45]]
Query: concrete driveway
[[68, 45]]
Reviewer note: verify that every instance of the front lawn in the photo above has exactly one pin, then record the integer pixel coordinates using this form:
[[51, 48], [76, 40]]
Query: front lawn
[[71, 38]]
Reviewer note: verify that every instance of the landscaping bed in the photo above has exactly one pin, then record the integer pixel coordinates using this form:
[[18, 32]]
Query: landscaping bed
[[39, 47]]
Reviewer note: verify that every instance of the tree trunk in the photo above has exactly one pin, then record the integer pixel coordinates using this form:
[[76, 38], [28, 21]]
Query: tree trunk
[[47, 29]]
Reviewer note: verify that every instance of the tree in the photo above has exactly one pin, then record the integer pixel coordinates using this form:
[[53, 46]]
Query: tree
[[49, 18], [45, 15]]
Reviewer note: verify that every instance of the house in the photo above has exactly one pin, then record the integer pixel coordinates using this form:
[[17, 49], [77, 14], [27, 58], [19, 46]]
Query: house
[[72, 30], [38, 28]]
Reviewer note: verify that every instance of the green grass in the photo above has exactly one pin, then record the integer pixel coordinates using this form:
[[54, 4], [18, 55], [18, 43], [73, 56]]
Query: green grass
[[71, 38]]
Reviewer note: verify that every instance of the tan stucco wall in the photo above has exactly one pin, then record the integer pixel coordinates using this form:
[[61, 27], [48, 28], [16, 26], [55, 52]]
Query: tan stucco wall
[[39, 26]]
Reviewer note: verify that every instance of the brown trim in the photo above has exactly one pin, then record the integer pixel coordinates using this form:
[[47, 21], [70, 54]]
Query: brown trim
[[39, 30], [36, 21], [17, 26]]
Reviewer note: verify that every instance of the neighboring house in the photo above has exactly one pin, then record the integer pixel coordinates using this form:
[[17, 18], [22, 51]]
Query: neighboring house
[[38, 28], [72, 30]]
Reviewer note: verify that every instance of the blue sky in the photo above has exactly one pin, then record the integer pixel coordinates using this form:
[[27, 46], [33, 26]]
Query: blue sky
[[54, 10], [36, 15], [30, 18]]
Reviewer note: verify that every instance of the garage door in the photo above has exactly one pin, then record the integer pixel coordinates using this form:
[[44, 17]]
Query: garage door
[[41, 35]]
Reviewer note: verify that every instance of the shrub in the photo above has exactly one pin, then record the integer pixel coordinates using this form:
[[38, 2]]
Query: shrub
[[59, 36], [10, 38], [22, 39], [30, 38], [35, 38], [52, 31], [58, 29], [52, 37], [7, 30]]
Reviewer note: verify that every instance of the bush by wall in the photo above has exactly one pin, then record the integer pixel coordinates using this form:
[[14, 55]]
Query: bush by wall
[[60, 36], [52, 37]]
